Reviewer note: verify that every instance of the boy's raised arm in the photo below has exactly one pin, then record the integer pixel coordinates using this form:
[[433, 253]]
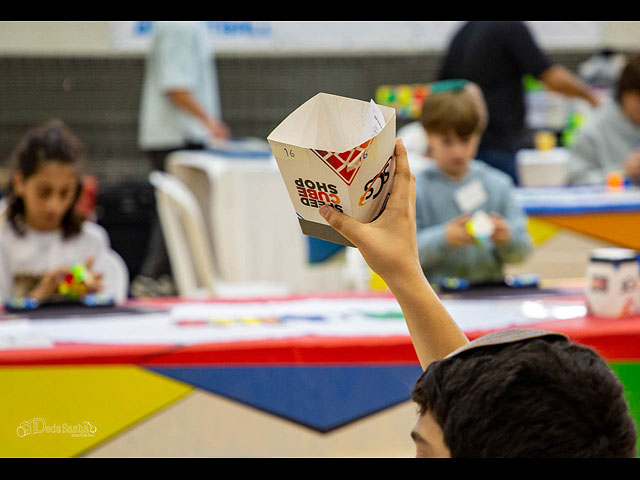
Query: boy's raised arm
[[389, 246]]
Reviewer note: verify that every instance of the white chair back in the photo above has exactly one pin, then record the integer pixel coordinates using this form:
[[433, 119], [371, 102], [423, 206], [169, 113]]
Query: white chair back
[[198, 183], [189, 249], [259, 241], [117, 273], [185, 235]]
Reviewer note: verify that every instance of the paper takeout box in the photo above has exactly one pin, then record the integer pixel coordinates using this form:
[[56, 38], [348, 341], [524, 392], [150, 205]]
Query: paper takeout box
[[337, 151]]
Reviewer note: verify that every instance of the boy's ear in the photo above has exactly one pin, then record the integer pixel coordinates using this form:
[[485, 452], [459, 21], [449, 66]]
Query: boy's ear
[[18, 184]]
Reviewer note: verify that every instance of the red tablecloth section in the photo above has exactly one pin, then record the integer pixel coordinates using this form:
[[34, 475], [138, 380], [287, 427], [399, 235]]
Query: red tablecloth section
[[614, 339]]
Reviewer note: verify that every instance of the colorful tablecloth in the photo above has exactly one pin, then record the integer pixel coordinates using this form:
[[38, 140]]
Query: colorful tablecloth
[[321, 362]]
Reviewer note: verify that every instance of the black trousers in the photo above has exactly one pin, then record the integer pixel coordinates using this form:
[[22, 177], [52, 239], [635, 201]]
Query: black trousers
[[156, 261]]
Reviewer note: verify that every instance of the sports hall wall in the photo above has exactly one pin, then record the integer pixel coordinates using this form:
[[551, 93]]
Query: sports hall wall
[[71, 70]]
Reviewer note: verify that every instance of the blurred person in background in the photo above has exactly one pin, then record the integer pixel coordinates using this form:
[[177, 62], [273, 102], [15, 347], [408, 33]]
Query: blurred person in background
[[42, 232], [610, 141], [180, 110], [455, 187], [496, 55], [413, 134]]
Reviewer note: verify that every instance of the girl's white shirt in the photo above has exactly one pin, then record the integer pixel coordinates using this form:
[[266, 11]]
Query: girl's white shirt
[[37, 252]]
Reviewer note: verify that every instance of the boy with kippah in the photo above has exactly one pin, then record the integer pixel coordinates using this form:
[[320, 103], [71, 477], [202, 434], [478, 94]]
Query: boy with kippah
[[514, 393], [455, 187]]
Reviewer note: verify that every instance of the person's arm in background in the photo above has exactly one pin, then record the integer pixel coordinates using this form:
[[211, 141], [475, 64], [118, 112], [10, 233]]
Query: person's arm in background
[[531, 59], [184, 100], [178, 67], [389, 246], [559, 79]]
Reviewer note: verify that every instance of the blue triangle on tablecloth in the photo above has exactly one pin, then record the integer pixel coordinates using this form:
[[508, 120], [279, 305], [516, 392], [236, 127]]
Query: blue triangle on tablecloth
[[318, 397]]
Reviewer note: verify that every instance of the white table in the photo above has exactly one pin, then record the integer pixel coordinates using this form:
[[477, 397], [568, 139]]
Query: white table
[[254, 229]]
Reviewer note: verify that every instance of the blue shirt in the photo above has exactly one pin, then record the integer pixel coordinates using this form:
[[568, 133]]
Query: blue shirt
[[436, 205]]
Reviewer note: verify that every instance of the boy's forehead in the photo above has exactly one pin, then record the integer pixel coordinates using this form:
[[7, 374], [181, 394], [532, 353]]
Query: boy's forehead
[[501, 337], [448, 133]]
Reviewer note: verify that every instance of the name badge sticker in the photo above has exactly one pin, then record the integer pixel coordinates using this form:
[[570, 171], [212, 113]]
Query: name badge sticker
[[471, 196]]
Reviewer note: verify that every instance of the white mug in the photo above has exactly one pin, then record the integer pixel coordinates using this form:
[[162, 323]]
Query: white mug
[[612, 283]]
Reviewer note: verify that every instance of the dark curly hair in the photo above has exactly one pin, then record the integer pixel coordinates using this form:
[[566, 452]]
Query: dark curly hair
[[534, 398], [629, 80], [52, 140]]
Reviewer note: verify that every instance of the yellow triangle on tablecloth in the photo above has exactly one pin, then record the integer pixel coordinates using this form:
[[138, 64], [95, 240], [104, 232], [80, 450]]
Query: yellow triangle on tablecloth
[[541, 230], [63, 411]]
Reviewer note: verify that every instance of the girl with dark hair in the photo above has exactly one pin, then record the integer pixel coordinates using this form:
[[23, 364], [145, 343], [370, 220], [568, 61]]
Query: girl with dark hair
[[42, 234]]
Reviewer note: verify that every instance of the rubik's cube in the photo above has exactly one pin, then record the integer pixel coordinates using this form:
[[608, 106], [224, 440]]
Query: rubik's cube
[[74, 284], [480, 227]]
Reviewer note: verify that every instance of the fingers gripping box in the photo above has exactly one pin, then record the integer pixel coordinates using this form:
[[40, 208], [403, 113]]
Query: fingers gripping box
[[336, 151]]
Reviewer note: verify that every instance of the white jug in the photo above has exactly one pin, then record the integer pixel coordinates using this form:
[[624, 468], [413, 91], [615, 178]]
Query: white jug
[[612, 283]]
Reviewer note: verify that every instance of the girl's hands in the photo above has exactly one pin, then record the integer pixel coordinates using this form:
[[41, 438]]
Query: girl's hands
[[50, 282], [48, 285]]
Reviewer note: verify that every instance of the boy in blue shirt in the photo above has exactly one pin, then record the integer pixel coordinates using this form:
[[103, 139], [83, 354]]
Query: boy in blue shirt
[[457, 186]]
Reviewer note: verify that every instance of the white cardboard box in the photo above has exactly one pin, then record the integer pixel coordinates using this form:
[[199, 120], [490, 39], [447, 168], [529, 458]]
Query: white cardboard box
[[338, 151], [542, 168]]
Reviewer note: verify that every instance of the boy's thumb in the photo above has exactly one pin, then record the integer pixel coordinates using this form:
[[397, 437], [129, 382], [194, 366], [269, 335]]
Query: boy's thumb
[[341, 223]]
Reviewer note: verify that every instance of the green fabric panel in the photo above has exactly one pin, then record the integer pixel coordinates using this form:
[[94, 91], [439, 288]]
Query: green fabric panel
[[629, 374]]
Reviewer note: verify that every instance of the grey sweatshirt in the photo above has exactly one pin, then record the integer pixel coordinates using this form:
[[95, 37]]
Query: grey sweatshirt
[[436, 205], [602, 145]]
